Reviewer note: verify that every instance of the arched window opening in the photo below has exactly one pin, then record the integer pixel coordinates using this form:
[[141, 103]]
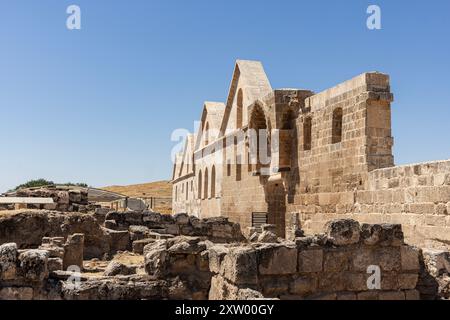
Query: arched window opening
[[238, 161], [187, 190], [176, 193], [337, 126], [207, 134], [307, 134], [199, 187], [213, 182], [260, 144], [239, 110], [205, 189]]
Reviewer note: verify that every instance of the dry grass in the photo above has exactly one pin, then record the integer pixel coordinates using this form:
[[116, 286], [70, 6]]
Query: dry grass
[[158, 189]]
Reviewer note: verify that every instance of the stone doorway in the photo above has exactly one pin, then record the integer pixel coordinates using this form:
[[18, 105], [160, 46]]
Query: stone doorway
[[276, 205]]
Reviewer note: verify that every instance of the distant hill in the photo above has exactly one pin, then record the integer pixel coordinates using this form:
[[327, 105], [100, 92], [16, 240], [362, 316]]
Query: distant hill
[[161, 191], [158, 189]]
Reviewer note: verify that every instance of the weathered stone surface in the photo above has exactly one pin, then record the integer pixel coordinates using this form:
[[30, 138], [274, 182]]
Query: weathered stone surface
[[343, 232], [14, 293], [303, 285], [368, 295], [110, 224], [120, 240], [221, 289], [267, 237], [216, 254], [74, 251], [383, 234], [138, 245], [149, 217], [412, 295], [138, 232], [186, 245], [181, 218], [388, 258], [240, 265], [269, 227], [155, 258], [55, 251], [310, 260], [55, 264], [409, 258], [346, 296], [392, 295], [33, 265], [408, 281], [254, 237], [249, 294], [16, 228], [277, 259], [336, 260], [8, 260], [115, 268]]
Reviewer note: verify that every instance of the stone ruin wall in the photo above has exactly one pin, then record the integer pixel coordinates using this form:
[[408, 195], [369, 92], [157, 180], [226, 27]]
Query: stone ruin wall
[[356, 178], [332, 266], [65, 199], [415, 196], [327, 266]]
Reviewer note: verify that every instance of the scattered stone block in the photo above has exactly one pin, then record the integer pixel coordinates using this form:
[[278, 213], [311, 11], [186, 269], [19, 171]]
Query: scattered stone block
[[409, 258], [274, 259], [240, 266], [138, 245], [16, 293], [115, 268], [34, 265], [343, 232], [74, 251], [55, 264], [267, 237], [8, 260]]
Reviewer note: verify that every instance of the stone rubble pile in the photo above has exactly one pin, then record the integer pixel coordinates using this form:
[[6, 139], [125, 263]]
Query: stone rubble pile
[[334, 265]]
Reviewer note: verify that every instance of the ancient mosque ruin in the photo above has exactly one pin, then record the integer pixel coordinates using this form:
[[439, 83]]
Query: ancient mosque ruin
[[298, 159], [281, 194]]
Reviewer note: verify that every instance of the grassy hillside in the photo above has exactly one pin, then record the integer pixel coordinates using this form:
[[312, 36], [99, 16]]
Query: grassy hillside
[[158, 190]]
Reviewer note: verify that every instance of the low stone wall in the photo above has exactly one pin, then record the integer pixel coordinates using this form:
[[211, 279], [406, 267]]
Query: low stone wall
[[26, 228], [34, 275], [65, 199], [22, 273], [329, 266], [214, 229], [348, 262], [182, 257], [416, 196]]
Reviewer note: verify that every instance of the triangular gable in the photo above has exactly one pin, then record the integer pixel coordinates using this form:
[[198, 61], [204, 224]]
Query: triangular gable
[[250, 76], [187, 153], [213, 112]]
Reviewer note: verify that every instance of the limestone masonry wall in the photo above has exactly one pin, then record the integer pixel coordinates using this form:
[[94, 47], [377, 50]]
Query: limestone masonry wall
[[329, 266], [416, 196]]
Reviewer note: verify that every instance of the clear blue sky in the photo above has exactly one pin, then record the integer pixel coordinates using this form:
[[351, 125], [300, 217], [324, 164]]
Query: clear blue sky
[[98, 105]]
